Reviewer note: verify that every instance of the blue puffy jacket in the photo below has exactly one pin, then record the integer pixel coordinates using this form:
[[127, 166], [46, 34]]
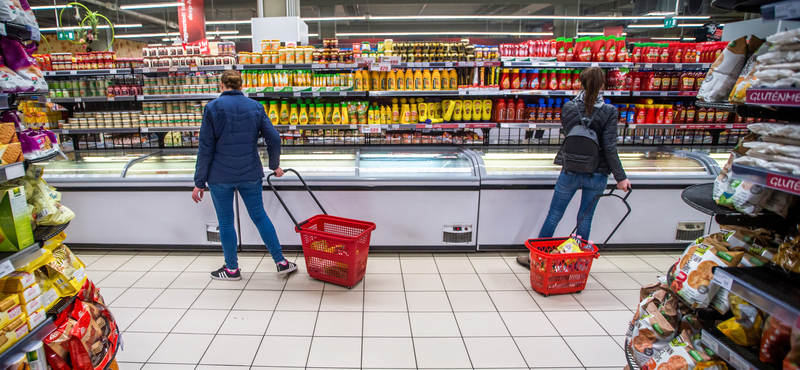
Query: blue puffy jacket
[[229, 136]]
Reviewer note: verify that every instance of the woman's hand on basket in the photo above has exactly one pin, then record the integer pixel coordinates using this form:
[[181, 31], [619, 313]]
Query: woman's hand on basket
[[624, 185], [278, 172]]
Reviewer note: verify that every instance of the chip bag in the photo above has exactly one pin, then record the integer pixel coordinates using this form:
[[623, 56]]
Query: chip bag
[[774, 341], [680, 354], [66, 271], [45, 199], [571, 245], [649, 331], [744, 328], [711, 365], [693, 278]]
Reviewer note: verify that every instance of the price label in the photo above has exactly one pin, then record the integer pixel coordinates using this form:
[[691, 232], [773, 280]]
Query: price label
[[342, 93], [145, 70], [6, 268], [77, 100], [664, 93], [380, 67], [462, 92], [706, 65], [80, 175], [111, 98], [173, 69], [73, 72], [633, 126], [259, 95], [426, 64], [317, 66], [354, 127], [462, 125], [648, 65], [561, 64], [678, 65], [723, 280], [292, 127], [297, 94], [428, 126], [595, 64], [637, 93], [112, 71], [65, 132], [229, 66], [370, 129], [145, 129], [738, 362], [448, 64], [531, 125], [315, 94], [712, 345]]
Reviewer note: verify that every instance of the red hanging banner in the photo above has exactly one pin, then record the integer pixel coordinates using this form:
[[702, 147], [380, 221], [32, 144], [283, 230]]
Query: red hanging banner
[[192, 21]]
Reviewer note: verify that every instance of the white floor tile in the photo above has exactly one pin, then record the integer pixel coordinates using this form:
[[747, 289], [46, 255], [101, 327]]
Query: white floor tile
[[428, 302], [547, 352], [383, 283], [383, 266], [575, 323], [386, 324], [192, 280], [258, 300], [489, 353], [231, 285], [339, 324], [292, 323], [645, 278], [206, 264], [140, 264], [182, 349], [513, 301], [217, 299], [491, 266], [359, 287], [246, 323], [599, 300], [139, 298], [616, 280], [156, 320], [111, 294], [385, 301], [423, 283], [419, 266], [283, 351], [455, 266], [97, 276], [177, 298], [266, 281], [197, 321], [661, 263], [126, 316], [471, 301], [631, 264], [597, 351], [388, 353], [501, 282], [232, 350], [613, 321], [223, 367], [434, 324], [300, 281], [592, 284], [462, 282], [109, 263], [129, 365], [628, 297], [300, 300], [121, 279], [560, 302], [603, 264], [342, 301], [335, 352], [440, 353], [174, 263], [481, 324], [140, 346], [528, 324], [167, 367], [515, 266], [156, 280]]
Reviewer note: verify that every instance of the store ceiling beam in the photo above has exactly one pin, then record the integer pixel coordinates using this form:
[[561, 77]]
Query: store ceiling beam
[[145, 17]]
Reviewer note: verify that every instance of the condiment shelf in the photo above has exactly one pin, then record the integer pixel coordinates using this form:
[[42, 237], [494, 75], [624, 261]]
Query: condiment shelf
[[420, 93], [11, 261], [329, 66], [304, 94], [726, 107], [671, 66], [739, 357], [182, 69], [177, 97], [567, 64], [87, 99], [767, 289], [315, 127], [530, 125], [169, 129], [445, 64], [89, 72], [561, 92], [38, 334], [771, 179], [690, 126], [665, 93], [96, 131], [405, 126]]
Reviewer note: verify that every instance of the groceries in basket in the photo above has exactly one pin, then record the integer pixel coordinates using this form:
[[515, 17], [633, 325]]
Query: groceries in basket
[[573, 245], [323, 246]]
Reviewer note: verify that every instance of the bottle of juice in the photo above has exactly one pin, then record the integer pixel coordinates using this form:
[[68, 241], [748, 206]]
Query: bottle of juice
[[445, 80], [409, 76], [487, 110], [303, 120], [436, 80], [426, 79], [417, 80], [477, 110], [284, 112], [336, 116], [466, 114], [273, 113], [414, 113], [453, 79], [457, 115]]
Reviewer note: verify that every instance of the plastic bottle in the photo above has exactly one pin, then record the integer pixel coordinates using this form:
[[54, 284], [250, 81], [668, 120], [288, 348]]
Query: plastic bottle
[[680, 113], [548, 111], [687, 81], [487, 110], [303, 115], [660, 113], [520, 115], [466, 110], [436, 80], [384, 81], [631, 116], [515, 78], [541, 112], [543, 78], [294, 114], [523, 79], [453, 79], [511, 110], [552, 80], [395, 111], [565, 82], [409, 78], [319, 114], [375, 81], [533, 80], [505, 79], [328, 117], [477, 110], [701, 115], [623, 113], [359, 86], [501, 110], [391, 81], [284, 112], [273, 113], [445, 80], [336, 115], [344, 114], [448, 112], [399, 80], [371, 115], [650, 112], [405, 116], [457, 112], [691, 112], [414, 111], [432, 112], [417, 80], [641, 114], [426, 79]]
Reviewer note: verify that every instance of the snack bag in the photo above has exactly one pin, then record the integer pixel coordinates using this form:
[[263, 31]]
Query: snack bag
[[693, 278], [45, 199], [680, 354], [792, 360], [93, 332], [774, 341], [21, 63], [571, 245], [66, 271], [649, 332], [744, 327], [747, 77], [722, 75], [57, 343], [711, 365], [11, 153]]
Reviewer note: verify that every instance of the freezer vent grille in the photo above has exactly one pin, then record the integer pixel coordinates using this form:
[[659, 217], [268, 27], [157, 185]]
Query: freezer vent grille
[[457, 234], [212, 233], [688, 231]]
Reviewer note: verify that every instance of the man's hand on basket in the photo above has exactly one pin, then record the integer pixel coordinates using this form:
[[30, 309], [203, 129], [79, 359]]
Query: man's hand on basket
[[278, 172]]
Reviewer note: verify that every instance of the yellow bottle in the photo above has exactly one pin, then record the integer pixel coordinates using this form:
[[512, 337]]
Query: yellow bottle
[[303, 115], [405, 116], [273, 113], [400, 80], [345, 116], [487, 110], [436, 108], [417, 80], [359, 85], [448, 113], [395, 111], [336, 116], [436, 80], [284, 112], [375, 81], [457, 114], [320, 114], [294, 115], [391, 81], [466, 114], [328, 114], [423, 111], [445, 80], [453, 79], [414, 113], [371, 116], [409, 76], [477, 110], [426, 79], [384, 81]]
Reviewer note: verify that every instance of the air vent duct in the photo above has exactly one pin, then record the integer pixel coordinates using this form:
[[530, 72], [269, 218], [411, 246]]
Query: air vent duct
[[688, 231], [457, 234], [212, 234]]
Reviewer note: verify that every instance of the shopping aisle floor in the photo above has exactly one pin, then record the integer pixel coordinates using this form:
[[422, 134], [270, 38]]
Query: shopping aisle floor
[[412, 311]]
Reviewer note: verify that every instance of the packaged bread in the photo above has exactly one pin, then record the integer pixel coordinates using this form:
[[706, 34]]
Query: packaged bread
[[744, 328], [679, 354], [650, 331], [49, 295], [17, 281], [693, 278], [36, 317]]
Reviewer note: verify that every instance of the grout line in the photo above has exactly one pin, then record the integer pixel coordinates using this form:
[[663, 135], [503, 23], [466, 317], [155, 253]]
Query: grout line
[[272, 316], [452, 311], [408, 313]]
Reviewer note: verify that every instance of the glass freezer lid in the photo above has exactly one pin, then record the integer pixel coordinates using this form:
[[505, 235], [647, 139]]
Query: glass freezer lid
[[523, 161], [87, 165], [316, 162], [414, 163]]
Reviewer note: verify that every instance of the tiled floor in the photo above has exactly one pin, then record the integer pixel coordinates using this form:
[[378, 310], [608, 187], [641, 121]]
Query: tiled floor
[[412, 311]]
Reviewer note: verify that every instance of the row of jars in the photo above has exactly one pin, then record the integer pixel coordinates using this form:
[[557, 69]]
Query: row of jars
[[183, 79], [170, 107], [181, 89], [170, 120], [188, 61]]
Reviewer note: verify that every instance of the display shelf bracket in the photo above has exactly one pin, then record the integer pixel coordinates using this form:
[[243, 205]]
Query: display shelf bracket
[[739, 357]]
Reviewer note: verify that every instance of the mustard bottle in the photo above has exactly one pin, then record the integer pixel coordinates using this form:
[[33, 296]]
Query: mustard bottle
[[426, 79], [391, 81], [273, 113], [303, 115], [453, 79], [436, 80], [457, 114], [438, 107], [448, 113], [423, 110], [409, 76], [284, 112], [400, 83], [336, 116], [320, 114], [375, 81], [294, 115], [487, 110], [414, 112], [384, 81], [477, 110], [445, 80], [371, 116], [466, 110], [405, 116], [432, 111], [417, 80], [328, 114], [345, 115]]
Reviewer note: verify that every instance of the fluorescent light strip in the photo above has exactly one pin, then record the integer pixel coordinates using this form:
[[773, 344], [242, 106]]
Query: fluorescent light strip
[[102, 27], [692, 17], [313, 35], [151, 5], [223, 32], [144, 35], [665, 38], [596, 34], [444, 33], [662, 26], [50, 7], [500, 17], [217, 23], [231, 37], [691, 25], [323, 19]]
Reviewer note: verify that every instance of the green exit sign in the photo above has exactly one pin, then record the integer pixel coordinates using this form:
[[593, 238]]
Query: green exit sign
[[66, 35], [670, 22]]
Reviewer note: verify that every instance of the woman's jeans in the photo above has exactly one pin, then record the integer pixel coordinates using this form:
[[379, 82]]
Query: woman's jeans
[[250, 191], [592, 185]]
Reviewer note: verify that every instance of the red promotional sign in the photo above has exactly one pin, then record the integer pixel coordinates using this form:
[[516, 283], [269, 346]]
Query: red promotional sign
[[785, 183], [192, 21], [612, 31]]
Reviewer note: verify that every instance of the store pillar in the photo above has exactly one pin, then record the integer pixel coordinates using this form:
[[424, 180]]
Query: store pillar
[[327, 29], [565, 27], [280, 8]]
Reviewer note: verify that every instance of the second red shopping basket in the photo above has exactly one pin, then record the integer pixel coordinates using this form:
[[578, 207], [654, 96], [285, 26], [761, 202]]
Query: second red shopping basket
[[335, 248], [568, 272]]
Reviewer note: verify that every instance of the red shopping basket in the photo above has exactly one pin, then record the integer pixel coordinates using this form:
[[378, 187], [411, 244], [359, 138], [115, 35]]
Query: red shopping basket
[[565, 273], [335, 248]]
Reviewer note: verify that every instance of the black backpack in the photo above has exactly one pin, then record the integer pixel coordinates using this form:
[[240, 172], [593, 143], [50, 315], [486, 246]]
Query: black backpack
[[580, 151]]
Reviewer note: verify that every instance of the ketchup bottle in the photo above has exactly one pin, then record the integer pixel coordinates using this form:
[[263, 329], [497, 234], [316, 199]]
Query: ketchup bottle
[[501, 110], [543, 79], [552, 80], [511, 111], [520, 110]]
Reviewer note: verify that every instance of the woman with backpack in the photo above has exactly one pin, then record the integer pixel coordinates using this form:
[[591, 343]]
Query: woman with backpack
[[587, 156]]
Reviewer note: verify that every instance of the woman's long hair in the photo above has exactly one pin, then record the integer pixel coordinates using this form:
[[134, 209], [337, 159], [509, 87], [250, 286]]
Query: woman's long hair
[[592, 81]]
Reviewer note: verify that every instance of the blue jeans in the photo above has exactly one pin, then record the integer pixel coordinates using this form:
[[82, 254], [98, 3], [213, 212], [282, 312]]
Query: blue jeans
[[250, 191], [592, 185]]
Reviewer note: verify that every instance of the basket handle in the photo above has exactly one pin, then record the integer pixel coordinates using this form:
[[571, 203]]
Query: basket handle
[[269, 181], [597, 199]]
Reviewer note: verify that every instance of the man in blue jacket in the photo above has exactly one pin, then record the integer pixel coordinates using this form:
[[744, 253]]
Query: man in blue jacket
[[228, 160]]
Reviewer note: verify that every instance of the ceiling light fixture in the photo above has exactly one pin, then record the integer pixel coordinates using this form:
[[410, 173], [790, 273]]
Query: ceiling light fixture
[[218, 23], [690, 25], [665, 38], [151, 5], [144, 35], [313, 35], [692, 17], [231, 37], [444, 33], [102, 27], [49, 7], [223, 32], [596, 34], [661, 13], [495, 17]]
